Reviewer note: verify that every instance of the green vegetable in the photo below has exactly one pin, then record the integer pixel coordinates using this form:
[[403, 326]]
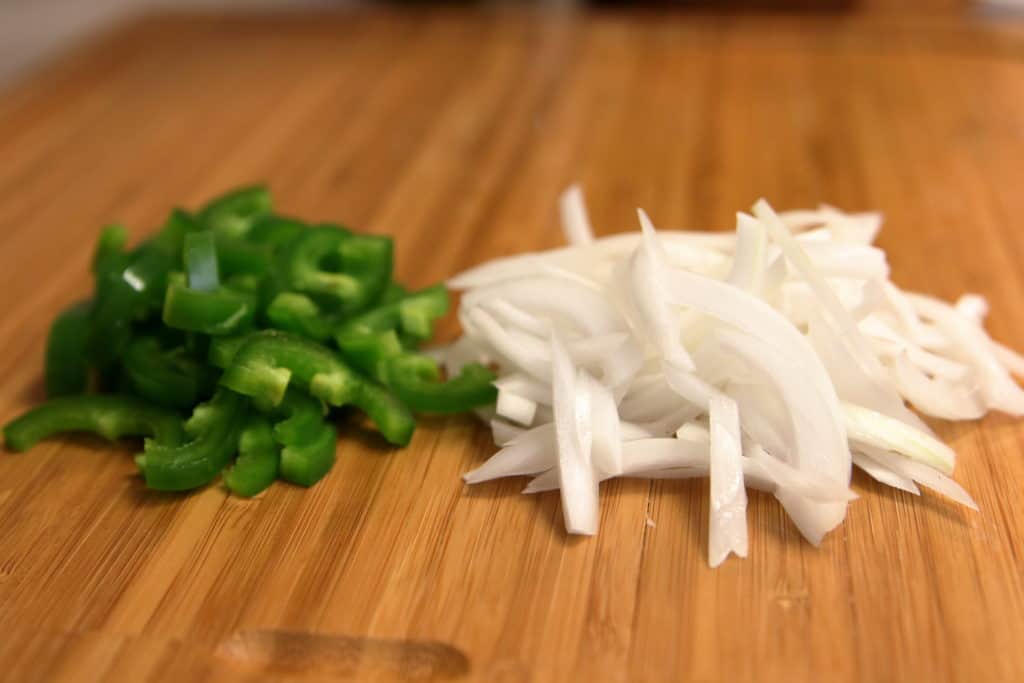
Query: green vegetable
[[412, 314], [259, 324], [415, 380], [67, 369], [269, 361], [347, 271], [307, 439], [258, 461], [168, 378], [232, 215], [109, 416], [213, 431], [224, 311]]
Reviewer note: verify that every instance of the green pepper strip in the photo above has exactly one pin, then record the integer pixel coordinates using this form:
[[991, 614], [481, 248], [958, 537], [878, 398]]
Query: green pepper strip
[[258, 459], [223, 349], [241, 257], [308, 440], [128, 288], [414, 378], [214, 429], [349, 271], [224, 311], [297, 313], [275, 231], [413, 314], [168, 378], [264, 366], [200, 260], [67, 370], [370, 352], [233, 214], [392, 293], [110, 245], [109, 416]]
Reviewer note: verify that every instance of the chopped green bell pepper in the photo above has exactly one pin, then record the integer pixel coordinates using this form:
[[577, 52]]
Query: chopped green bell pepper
[[346, 271], [298, 314], [258, 461], [308, 440], [270, 360], [168, 378], [233, 214], [67, 369], [109, 416], [224, 311], [214, 429]]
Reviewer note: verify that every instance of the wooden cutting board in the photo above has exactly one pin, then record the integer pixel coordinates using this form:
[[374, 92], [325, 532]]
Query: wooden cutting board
[[455, 132]]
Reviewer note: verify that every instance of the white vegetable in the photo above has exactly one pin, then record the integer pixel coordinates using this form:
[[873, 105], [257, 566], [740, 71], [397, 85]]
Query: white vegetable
[[728, 519], [773, 357]]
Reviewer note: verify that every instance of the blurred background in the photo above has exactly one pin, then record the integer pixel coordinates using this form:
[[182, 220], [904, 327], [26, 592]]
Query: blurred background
[[33, 30]]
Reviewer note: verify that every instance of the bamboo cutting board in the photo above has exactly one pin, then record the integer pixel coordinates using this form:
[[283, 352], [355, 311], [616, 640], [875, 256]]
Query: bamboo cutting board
[[456, 132]]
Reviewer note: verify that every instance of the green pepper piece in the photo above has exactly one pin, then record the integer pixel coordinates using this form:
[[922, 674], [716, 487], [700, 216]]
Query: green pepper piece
[[200, 259], [258, 459], [67, 370], [414, 379], [392, 293], [241, 257], [168, 378], [223, 349], [109, 416], [275, 231], [308, 441], [233, 214], [413, 314], [224, 311], [298, 314], [369, 352], [110, 245], [214, 429], [308, 463], [129, 287], [265, 365], [345, 270]]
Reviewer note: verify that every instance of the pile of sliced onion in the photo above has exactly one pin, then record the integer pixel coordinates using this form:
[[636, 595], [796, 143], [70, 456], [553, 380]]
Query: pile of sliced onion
[[775, 357]]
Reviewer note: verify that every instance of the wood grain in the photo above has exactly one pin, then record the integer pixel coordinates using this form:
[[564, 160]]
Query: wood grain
[[455, 132]]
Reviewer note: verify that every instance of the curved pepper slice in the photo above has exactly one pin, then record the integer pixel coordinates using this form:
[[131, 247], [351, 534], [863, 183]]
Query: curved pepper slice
[[415, 379], [109, 416], [349, 271], [241, 257], [275, 231], [234, 213], [224, 311], [67, 370], [258, 460], [128, 288], [270, 360], [308, 440], [413, 314], [370, 352], [214, 429], [297, 313], [168, 378]]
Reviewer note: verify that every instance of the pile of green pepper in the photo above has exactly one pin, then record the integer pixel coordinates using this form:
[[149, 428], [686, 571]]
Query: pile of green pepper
[[256, 324]]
